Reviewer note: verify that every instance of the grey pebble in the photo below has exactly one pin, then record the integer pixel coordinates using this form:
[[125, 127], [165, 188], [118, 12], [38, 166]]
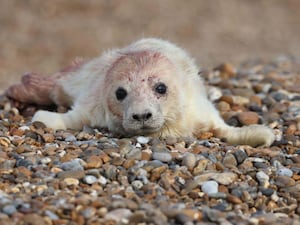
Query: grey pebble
[[240, 156], [162, 156], [189, 160], [74, 165], [51, 215], [285, 172], [9, 209]]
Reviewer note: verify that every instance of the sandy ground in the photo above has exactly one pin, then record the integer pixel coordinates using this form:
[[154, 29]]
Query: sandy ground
[[43, 36]]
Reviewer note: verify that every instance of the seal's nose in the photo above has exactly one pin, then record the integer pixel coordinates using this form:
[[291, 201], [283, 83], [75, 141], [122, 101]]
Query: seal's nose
[[142, 117]]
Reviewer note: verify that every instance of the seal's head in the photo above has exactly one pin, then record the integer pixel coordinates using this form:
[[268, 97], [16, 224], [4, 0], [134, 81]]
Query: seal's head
[[142, 94]]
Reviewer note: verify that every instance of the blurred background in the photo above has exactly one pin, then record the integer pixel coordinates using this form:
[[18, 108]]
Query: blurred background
[[43, 36]]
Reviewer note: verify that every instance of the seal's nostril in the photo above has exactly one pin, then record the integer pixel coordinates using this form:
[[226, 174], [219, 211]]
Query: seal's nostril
[[142, 117], [136, 117], [147, 116]]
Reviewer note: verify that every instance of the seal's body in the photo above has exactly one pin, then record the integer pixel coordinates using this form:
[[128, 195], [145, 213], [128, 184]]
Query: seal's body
[[150, 87]]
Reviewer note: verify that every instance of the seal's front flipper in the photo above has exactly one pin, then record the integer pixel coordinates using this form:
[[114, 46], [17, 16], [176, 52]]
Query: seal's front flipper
[[253, 135]]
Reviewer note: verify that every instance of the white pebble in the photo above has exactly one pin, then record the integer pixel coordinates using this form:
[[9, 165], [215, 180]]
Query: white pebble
[[45, 160], [263, 178], [70, 138], [24, 128], [137, 184], [285, 172], [143, 140], [102, 180], [90, 179], [210, 187]]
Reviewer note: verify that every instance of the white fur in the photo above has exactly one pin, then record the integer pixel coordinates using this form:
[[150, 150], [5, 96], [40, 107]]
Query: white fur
[[190, 107]]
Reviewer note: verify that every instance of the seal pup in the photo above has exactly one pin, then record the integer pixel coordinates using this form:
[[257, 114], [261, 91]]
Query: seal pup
[[150, 87]]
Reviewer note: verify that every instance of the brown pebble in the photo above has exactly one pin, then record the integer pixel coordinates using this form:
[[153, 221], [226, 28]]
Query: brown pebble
[[146, 154], [48, 138], [223, 106], [93, 161], [247, 118], [71, 174], [233, 199], [200, 166], [254, 99], [291, 129], [229, 160], [284, 181], [226, 70]]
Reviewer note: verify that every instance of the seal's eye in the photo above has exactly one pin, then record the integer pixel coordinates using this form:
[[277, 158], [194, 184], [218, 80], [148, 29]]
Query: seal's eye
[[161, 88], [121, 93]]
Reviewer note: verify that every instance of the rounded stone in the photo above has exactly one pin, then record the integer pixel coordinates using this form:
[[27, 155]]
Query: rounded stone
[[90, 179], [143, 140], [210, 187], [285, 172], [162, 156], [248, 118]]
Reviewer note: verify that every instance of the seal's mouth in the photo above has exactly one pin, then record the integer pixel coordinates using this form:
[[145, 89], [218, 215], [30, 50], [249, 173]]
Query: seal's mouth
[[144, 130]]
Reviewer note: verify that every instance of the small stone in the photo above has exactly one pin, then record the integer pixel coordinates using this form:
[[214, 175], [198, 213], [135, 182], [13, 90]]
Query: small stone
[[48, 138], [263, 178], [189, 160], [143, 140], [118, 214], [71, 174], [137, 184], [229, 160], [71, 181], [248, 118], [4, 141], [284, 181], [226, 71], [162, 156], [88, 212], [240, 156], [70, 138], [210, 187], [90, 179], [225, 178], [9, 209], [74, 164], [200, 166], [93, 161], [233, 199], [285, 172]]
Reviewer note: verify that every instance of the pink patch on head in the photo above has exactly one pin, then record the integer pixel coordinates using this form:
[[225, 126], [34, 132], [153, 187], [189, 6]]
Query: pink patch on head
[[113, 109]]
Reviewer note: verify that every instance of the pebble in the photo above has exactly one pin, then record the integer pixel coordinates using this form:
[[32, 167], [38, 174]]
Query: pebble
[[71, 181], [248, 118], [9, 209], [89, 179], [93, 177], [240, 156], [74, 165], [162, 156], [284, 181], [210, 187], [263, 178], [285, 172], [143, 140], [118, 215], [229, 160], [189, 160]]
